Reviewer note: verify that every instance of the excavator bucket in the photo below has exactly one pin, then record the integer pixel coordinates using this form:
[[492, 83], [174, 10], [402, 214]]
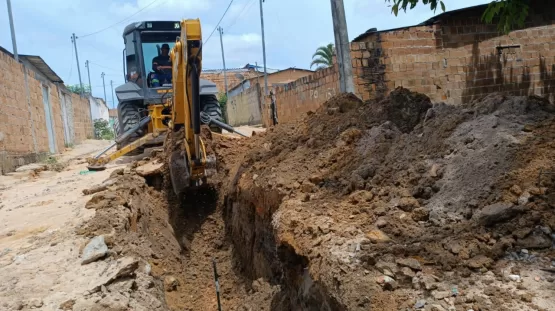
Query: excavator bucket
[[179, 172]]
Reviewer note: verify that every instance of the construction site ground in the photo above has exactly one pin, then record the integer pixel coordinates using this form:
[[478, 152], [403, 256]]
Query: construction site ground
[[398, 204]]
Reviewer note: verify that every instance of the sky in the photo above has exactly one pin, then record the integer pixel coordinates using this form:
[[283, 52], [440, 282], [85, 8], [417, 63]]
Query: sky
[[294, 29]]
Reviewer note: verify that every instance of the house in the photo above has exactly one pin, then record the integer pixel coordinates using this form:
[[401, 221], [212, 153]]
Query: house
[[38, 115], [453, 57]]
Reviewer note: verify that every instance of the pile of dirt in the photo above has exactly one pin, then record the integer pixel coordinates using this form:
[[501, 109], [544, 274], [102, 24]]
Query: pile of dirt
[[391, 205], [427, 196]]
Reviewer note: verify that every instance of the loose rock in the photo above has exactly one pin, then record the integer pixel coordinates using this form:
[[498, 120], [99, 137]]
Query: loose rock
[[94, 250]]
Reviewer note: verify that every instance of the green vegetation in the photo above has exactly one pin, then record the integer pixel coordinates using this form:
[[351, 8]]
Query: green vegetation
[[76, 88], [222, 99], [323, 57], [507, 14], [103, 130]]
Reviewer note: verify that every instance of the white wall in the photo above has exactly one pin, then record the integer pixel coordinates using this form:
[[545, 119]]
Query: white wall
[[99, 109]]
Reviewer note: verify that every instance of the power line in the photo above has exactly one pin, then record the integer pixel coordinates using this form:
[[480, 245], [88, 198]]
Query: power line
[[102, 66], [121, 21], [249, 3], [217, 25]]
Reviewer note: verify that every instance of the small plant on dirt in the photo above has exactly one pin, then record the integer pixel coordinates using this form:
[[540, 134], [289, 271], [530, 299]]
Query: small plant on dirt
[[102, 130], [50, 160], [222, 99]]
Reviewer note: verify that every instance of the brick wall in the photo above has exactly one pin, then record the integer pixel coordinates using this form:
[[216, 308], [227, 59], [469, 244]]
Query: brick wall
[[232, 80], [23, 129], [295, 99], [245, 107], [456, 59], [460, 58]]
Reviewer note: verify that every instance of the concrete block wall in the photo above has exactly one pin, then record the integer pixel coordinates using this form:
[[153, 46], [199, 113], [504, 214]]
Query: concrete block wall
[[455, 60], [245, 107], [23, 130], [295, 99]]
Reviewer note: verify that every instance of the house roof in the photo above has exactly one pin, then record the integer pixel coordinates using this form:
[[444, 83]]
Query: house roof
[[39, 64], [427, 22], [43, 67]]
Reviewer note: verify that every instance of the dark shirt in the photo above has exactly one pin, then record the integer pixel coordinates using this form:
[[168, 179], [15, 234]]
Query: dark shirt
[[160, 60]]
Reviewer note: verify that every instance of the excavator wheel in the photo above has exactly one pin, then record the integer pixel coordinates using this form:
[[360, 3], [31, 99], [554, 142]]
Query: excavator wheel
[[210, 105], [129, 116]]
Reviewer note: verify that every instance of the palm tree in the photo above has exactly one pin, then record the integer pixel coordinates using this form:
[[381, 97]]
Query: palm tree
[[323, 57]]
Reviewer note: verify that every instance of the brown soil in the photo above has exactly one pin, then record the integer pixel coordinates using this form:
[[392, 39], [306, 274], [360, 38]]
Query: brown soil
[[311, 215]]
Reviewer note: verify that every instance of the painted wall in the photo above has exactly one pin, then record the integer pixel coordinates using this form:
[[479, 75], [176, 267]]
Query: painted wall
[[245, 107]]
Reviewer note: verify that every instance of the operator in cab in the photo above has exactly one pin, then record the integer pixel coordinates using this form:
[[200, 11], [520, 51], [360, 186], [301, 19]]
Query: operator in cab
[[162, 67]]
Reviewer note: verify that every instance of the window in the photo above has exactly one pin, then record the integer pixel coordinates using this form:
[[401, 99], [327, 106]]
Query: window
[[131, 59], [151, 50]]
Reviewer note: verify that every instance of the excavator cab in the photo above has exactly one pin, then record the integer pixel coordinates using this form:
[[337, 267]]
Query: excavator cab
[[145, 85]]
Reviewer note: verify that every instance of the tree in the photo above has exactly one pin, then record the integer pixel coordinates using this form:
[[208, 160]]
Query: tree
[[103, 130], [508, 14], [323, 58], [76, 88]]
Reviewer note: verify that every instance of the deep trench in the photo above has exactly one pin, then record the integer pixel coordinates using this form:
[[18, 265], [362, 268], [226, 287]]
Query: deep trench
[[247, 245]]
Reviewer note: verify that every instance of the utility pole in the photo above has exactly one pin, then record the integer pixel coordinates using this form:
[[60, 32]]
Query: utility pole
[[74, 40], [89, 74], [221, 31], [112, 85], [103, 85], [264, 48], [12, 28], [342, 46]]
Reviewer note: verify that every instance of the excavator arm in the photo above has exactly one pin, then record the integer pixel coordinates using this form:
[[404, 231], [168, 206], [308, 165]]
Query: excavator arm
[[187, 166]]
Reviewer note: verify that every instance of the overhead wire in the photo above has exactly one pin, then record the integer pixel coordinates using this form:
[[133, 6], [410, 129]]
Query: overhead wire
[[248, 3], [102, 66], [121, 21], [218, 24]]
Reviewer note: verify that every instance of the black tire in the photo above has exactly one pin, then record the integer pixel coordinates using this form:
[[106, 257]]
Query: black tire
[[129, 117], [210, 105]]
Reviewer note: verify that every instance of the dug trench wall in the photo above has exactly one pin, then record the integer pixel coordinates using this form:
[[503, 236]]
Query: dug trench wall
[[379, 205]]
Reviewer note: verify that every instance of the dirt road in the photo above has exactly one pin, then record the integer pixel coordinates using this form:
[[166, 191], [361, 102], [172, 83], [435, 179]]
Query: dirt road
[[39, 250]]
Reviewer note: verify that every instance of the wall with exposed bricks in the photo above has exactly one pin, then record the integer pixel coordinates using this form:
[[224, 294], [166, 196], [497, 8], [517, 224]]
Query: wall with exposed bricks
[[454, 60], [23, 130]]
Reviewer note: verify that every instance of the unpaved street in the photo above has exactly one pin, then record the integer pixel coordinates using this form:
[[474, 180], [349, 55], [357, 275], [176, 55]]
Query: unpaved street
[[39, 250]]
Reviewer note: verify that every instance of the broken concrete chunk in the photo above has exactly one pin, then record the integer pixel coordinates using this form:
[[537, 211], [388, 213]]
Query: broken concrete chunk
[[496, 213], [150, 168], [94, 250], [409, 262]]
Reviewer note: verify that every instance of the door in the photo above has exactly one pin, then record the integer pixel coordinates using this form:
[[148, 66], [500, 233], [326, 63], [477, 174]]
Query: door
[[48, 119], [65, 117]]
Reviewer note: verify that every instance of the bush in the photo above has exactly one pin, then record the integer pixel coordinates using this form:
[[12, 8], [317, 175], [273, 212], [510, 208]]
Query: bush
[[102, 130]]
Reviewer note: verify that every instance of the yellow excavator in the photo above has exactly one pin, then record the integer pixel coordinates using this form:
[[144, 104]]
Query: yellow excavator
[[180, 111]]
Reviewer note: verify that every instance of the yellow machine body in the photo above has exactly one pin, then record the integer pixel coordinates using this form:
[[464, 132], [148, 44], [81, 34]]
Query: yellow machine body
[[187, 165]]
